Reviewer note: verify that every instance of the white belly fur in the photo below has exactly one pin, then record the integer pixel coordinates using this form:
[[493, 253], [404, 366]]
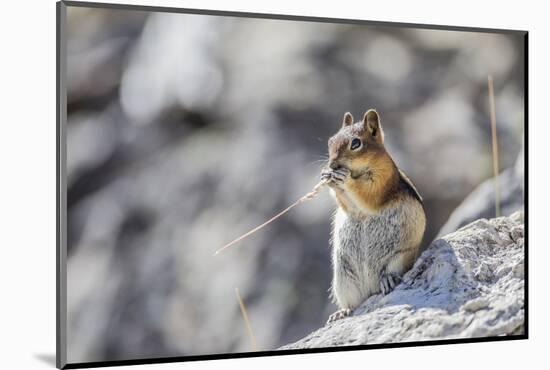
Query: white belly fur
[[363, 247]]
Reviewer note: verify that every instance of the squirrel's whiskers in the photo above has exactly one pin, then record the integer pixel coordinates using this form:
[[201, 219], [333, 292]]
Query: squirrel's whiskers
[[312, 194]]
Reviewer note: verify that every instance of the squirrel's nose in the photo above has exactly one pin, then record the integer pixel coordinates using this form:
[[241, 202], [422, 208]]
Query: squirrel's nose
[[333, 165]]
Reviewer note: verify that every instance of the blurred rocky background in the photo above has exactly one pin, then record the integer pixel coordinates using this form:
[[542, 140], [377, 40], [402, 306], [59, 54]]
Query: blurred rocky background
[[184, 131]]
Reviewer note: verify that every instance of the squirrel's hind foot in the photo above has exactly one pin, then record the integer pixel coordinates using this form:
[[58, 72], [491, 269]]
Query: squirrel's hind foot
[[388, 281], [340, 314]]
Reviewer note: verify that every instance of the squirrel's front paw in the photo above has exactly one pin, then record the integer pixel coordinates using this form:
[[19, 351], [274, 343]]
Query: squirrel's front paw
[[336, 177], [340, 175], [340, 314], [326, 174]]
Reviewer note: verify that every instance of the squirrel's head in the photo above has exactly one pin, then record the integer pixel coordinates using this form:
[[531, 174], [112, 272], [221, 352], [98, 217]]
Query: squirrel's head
[[357, 146]]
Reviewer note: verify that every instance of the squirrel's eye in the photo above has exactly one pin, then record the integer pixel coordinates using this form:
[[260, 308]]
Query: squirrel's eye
[[355, 144]]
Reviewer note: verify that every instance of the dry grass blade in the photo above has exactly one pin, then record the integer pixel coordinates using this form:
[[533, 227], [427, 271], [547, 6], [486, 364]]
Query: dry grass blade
[[312, 194], [247, 322], [495, 144]]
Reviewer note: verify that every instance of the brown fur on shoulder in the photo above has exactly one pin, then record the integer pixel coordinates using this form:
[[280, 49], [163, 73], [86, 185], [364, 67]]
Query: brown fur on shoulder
[[374, 180]]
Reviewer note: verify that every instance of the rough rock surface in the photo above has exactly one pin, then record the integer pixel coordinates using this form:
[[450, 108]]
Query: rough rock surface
[[467, 284]]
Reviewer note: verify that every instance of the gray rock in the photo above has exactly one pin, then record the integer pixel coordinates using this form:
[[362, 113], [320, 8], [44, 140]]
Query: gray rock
[[481, 202], [467, 284]]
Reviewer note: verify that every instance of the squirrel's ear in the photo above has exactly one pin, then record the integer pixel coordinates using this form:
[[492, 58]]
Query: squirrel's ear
[[347, 120], [371, 121]]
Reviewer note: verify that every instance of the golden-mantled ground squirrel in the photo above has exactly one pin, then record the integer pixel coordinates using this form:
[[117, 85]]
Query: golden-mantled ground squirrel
[[379, 222]]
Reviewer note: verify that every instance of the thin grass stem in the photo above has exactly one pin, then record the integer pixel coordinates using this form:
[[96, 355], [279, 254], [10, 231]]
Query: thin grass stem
[[494, 144]]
